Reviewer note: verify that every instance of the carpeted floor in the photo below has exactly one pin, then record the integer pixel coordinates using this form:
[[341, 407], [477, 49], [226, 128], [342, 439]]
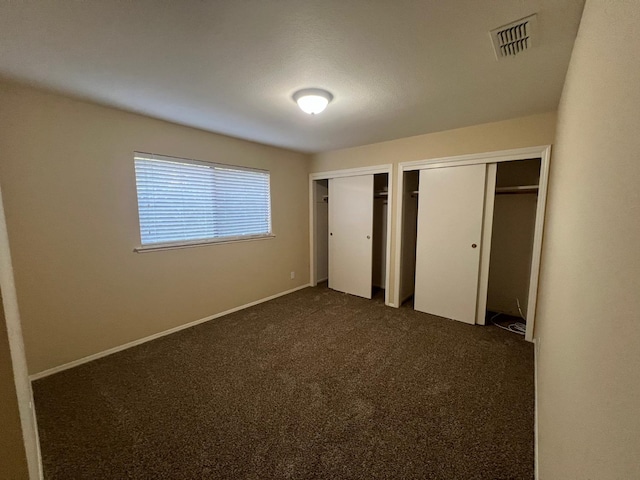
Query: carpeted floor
[[313, 385]]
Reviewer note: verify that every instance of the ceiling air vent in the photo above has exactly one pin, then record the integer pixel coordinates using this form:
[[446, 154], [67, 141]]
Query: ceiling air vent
[[515, 38]]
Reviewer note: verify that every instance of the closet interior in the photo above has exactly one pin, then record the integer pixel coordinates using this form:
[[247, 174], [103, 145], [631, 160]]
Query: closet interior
[[409, 235], [508, 191], [379, 238], [514, 219], [321, 218], [350, 225]]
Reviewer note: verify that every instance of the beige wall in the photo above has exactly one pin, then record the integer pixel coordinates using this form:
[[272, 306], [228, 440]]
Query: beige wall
[[13, 461], [67, 176], [589, 309], [516, 133]]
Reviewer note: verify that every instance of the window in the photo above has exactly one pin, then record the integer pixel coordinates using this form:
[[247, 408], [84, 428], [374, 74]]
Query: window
[[185, 202]]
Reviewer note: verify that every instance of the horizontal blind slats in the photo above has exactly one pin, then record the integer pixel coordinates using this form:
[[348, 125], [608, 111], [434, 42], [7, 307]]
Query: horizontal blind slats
[[180, 201]]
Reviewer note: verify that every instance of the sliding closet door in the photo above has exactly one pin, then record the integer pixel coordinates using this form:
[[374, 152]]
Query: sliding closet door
[[450, 215], [350, 231]]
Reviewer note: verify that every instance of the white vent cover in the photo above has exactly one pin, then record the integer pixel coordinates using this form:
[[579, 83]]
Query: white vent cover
[[514, 38]]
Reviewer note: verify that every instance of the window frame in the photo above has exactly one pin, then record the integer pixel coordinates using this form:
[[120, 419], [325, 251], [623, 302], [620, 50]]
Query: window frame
[[150, 247]]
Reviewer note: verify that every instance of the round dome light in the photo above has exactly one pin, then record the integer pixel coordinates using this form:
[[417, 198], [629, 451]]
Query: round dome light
[[312, 100]]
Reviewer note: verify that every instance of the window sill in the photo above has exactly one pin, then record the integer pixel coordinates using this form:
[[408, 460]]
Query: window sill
[[199, 243]]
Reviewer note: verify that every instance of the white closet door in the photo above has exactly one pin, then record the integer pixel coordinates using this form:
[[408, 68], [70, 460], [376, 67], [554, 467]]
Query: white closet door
[[450, 215], [350, 231]]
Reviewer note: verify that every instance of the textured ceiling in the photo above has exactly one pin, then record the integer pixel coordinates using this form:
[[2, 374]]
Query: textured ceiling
[[395, 67]]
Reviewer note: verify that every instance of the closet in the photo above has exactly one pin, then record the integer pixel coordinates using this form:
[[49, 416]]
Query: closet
[[321, 219], [467, 240], [514, 218], [409, 199], [379, 239], [350, 232]]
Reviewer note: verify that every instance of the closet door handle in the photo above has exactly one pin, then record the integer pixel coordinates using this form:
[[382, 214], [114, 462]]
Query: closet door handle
[[473, 245], [331, 233], [368, 237]]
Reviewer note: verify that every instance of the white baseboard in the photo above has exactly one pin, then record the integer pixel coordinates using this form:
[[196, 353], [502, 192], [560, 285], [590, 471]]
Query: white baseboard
[[95, 356], [325, 279]]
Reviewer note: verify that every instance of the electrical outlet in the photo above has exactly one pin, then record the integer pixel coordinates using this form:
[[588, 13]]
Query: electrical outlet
[[293, 275]]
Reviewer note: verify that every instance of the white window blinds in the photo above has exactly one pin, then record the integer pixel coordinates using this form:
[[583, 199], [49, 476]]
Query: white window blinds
[[187, 201]]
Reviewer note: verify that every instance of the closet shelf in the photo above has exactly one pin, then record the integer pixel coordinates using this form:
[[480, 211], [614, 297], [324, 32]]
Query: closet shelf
[[518, 189]]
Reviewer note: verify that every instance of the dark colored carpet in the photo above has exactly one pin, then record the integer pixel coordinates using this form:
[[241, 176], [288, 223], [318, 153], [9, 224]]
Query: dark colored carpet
[[313, 385]]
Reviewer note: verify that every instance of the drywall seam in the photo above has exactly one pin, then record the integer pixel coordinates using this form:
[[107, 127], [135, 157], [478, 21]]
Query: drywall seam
[[95, 356]]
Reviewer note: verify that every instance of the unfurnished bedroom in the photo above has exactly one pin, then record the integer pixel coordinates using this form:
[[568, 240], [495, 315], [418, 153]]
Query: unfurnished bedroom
[[319, 240]]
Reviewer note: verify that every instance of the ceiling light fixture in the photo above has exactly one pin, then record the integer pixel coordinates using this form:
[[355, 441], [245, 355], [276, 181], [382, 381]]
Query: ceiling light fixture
[[312, 100]]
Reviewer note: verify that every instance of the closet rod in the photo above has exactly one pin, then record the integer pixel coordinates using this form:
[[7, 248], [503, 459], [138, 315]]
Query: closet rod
[[516, 190], [325, 198]]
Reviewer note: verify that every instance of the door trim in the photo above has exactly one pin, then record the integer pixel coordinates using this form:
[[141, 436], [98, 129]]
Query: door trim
[[24, 392], [544, 153], [485, 246], [351, 172]]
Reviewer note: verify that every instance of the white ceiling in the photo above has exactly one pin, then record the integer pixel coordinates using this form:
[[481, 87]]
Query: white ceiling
[[395, 67]]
